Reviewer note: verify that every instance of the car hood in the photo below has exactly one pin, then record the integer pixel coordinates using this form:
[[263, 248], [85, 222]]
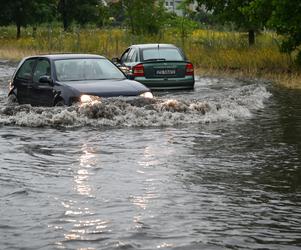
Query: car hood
[[107, 88]]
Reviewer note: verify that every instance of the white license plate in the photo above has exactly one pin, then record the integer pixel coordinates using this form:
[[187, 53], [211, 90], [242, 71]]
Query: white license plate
[[165, 72]]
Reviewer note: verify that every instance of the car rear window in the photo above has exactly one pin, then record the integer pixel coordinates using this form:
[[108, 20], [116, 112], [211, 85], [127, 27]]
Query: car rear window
[[168, 54]]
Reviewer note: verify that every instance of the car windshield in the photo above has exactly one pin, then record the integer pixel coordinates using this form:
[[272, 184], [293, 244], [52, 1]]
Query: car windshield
[[86, 69], [168, 54]]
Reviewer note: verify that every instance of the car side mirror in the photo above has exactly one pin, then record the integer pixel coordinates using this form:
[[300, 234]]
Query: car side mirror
[[116, 60], [46, 79]]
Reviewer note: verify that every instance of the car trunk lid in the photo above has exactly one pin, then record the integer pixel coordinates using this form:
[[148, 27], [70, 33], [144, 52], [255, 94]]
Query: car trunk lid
[[164, 69]]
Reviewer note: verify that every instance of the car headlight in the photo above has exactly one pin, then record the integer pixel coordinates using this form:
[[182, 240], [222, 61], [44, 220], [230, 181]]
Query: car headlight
[[147, 95], [89, 98], [10, 85]]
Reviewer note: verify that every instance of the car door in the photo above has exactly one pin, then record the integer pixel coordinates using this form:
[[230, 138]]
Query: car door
[[23, 81], [42, 94]]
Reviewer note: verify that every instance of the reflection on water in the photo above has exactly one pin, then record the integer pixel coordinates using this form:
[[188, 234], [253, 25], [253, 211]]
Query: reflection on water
[[81, 179], [214, 168], [83, 222]]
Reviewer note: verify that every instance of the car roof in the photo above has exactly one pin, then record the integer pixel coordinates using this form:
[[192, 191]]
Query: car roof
[[66, 56], [153, 45]]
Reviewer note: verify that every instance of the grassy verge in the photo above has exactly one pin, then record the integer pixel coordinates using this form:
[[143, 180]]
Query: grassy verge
[[213, 53]]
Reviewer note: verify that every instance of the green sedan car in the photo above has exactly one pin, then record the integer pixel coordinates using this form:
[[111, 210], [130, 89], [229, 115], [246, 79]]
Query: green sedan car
[[157, 66]]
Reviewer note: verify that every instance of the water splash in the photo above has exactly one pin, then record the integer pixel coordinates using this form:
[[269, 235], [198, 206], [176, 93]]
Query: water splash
[[139, 112]]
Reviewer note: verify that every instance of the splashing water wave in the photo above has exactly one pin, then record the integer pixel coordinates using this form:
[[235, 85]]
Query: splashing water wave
[[140, 112]]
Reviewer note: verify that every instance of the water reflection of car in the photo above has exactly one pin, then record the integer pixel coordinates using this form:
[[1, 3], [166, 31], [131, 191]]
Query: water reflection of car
[[157, 66], [62, 79]]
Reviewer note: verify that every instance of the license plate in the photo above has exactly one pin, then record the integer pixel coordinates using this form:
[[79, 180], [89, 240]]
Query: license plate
[[165, 72]]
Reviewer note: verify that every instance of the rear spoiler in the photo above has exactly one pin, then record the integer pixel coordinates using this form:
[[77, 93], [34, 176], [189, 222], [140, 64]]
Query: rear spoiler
[[164, 61]]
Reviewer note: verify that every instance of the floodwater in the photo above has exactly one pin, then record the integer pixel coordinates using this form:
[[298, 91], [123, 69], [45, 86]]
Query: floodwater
[[214, 168]]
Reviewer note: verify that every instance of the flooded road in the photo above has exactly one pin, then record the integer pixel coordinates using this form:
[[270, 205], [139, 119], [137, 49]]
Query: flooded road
[[214, 168]]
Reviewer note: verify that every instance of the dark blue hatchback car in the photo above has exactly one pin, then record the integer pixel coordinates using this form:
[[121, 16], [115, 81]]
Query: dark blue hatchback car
[[62, 79]]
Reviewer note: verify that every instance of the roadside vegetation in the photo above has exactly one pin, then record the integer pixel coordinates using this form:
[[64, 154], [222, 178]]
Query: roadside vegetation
[[218, 40], [212, 52]]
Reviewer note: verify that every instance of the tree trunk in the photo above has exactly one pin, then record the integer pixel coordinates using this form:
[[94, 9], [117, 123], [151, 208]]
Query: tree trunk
[[18, 30], [251, 37], [65, 23], [34, 31], [63, 10]]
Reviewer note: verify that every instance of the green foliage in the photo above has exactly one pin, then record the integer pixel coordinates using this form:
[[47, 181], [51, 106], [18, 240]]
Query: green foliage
[[207, 49], [204, 18], [116, 13], [149, 18], [80, 12], [227, 11], [181, 26], [251, 15], [144, 16], [25, 12], [286, 19], [247, 15], [179, 22], [257, 12]]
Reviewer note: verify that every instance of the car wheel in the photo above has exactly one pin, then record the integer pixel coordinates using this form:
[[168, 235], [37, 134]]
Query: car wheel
[[12, 99], [60, 103]]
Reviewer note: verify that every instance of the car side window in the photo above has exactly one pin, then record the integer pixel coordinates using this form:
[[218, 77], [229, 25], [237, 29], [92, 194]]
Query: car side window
[[130, 56], [124, 56], [133, 56], [25, 71], [42, 69]]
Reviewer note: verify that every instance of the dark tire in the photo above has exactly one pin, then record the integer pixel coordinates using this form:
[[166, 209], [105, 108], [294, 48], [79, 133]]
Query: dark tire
[[12, 99], [60, 103]]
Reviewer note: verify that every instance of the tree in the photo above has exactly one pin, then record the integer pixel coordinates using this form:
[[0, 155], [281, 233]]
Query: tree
[[286, 19], [26, 12], [249, 15], [181, 26], [116, 13], [81, 12], [144, 16]]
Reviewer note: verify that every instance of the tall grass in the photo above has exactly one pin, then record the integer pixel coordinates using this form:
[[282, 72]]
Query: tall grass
[[210, 51]]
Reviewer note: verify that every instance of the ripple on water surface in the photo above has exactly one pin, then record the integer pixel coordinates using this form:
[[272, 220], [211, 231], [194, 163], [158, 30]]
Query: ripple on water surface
[[213, 168]]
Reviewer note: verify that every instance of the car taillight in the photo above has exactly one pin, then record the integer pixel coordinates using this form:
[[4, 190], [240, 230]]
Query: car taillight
[[138, 70], [189, 69]]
